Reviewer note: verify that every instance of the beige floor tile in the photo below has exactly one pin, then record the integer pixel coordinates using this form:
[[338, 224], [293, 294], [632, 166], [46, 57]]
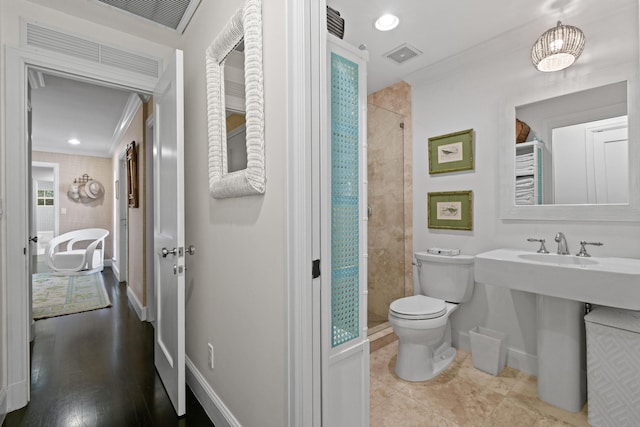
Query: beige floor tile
[[379, 392], [461, 395], [384, 373], [525, 391], [551, 422], [458, 399], [401, 411], [501, 384], [511, 413]]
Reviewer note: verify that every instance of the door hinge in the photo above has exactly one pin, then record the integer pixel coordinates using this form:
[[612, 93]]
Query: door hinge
[[24, 251], [315, 269]]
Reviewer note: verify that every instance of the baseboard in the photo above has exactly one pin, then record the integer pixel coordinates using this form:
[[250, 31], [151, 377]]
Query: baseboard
[[522, 361], [108, 263], [3, 405], [215, 408], [461, 340], [115, 267], [137, 305], [517, 359]]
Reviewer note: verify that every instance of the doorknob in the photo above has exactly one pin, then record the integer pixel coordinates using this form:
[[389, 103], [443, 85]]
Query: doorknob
[[191, 250], [33, 239], [166, 252]]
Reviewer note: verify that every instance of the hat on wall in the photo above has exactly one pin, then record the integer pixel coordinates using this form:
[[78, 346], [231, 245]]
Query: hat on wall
[[94, 189], [73, 192]]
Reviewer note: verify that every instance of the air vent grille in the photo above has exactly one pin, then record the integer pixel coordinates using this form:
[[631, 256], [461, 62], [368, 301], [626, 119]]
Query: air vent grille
[[57, 41], [163, 12], [402, 53], [129, 61], [62, 43]]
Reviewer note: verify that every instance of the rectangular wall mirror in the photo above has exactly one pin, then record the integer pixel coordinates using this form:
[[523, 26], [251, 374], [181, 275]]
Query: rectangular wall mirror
[[235, 109], [235, 106], [577, 151]]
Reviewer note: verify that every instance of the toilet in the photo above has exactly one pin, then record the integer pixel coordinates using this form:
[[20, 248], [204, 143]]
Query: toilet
[[421, 321]]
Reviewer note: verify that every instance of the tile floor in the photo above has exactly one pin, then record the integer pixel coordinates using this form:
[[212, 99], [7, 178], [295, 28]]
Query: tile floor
[[460, 396]]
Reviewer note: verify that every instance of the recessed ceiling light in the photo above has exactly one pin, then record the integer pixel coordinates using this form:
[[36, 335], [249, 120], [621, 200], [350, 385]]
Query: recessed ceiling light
[[387, 22], [74, 141]]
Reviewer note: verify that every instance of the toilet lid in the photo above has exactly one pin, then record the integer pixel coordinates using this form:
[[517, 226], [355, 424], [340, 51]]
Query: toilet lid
[[418, 307]]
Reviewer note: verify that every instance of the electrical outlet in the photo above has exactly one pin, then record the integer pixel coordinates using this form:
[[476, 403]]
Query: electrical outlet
[[210, 355]]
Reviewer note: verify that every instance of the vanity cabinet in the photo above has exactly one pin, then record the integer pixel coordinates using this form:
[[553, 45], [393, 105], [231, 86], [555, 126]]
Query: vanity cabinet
[[530, 165]]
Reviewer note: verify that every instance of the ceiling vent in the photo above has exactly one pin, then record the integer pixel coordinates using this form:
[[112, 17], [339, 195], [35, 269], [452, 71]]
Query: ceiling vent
[[41, 37], [174, 14], [403, 53]]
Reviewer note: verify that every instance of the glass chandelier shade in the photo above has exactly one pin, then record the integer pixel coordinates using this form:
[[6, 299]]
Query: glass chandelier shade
[[557, 48]]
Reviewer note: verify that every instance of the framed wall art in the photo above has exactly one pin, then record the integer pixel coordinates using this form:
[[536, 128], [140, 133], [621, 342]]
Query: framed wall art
[[451, 210], [132, 175], [451, 152]]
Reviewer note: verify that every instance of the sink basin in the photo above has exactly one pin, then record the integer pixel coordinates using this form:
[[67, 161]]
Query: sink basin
[[613, 282], [557, 259], [562, 284]]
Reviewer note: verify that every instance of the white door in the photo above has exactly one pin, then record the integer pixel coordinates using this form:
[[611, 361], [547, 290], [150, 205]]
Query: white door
[[344, 341], [611, 165], [168, 233], [32, 206]]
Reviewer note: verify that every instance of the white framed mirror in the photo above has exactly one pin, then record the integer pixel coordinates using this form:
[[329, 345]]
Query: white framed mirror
[[547, 208], [235, 106]]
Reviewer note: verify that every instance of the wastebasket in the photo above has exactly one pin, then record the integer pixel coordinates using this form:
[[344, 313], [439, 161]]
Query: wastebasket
[[488, 350], [613, 367]]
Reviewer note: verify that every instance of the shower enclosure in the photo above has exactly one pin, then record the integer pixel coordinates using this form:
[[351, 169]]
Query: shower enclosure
[[386, 227]]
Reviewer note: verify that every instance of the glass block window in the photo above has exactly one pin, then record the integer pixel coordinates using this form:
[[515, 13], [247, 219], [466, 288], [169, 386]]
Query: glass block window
[[45, 198], [345, 216]]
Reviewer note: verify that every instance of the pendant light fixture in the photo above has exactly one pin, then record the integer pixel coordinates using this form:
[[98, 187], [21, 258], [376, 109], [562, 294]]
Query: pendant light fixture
[[557, 48]]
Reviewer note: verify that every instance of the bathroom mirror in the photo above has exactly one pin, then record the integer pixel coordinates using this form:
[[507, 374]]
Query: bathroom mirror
[[235, 106], [576, 152], [617, 109]]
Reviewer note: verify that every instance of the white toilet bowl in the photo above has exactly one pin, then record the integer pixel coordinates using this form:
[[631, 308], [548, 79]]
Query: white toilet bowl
[[422, 326], [422, 321]]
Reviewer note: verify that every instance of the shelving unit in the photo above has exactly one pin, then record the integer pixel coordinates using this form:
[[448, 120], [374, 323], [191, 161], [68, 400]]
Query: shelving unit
[[529, 173]]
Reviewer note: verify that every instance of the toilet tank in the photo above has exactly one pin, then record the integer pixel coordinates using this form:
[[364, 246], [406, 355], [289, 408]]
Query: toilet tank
[[448, 278]]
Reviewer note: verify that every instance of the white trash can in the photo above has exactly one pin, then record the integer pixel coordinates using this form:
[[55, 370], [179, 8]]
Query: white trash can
[[613, 367], [488, 350]]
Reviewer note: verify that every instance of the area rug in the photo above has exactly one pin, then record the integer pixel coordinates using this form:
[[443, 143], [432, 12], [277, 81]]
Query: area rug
[[60, 295]]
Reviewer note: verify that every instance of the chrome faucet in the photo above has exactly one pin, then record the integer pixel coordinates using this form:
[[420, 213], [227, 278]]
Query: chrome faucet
[[562, 244]]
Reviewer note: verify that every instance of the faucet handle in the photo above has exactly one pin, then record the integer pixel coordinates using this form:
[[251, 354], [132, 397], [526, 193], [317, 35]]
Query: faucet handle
[[583, 250], [543, 249]]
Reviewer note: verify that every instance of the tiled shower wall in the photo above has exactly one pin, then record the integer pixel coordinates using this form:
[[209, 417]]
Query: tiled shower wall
[[391, 223]]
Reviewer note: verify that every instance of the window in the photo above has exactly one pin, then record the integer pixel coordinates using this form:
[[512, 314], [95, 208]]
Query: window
[[45, 197]]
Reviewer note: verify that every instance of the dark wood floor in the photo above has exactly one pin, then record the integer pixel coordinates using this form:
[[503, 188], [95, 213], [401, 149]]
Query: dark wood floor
[[96, 369]]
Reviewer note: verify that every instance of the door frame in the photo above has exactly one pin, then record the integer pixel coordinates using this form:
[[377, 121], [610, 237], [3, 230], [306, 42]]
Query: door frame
[[306, 50], [121, 240], [56, 193], [18, 61], [149, 216]]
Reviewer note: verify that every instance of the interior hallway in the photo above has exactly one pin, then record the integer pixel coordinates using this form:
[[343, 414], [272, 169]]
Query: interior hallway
[[96, 369]]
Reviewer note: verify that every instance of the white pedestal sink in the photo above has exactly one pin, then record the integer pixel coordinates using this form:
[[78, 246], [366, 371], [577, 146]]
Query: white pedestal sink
[[563, 283]]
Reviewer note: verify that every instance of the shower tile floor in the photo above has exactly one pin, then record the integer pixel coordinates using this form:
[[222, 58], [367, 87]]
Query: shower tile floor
[[460, 396]]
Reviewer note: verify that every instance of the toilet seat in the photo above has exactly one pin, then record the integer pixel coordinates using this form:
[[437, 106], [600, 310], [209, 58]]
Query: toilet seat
[[418, 307]]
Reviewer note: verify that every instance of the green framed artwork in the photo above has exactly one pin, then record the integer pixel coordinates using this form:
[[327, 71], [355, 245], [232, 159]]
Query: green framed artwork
[[451, 152], [451, 210]]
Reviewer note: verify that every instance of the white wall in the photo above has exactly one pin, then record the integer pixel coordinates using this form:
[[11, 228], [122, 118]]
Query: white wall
[[236, 289], [471, 91]]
